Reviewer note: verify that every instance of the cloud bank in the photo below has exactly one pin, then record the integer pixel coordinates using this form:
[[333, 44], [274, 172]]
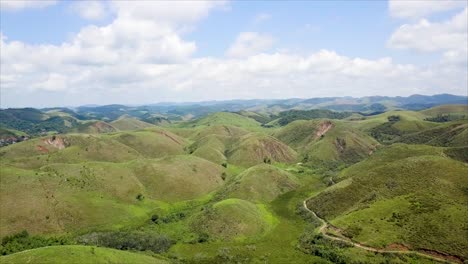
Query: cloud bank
[[142, 56]]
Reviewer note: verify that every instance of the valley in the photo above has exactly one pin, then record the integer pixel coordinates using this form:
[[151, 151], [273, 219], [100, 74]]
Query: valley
[[236, 183]]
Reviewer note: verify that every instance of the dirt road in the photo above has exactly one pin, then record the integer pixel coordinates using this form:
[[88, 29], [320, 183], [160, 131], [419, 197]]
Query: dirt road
[[323, 231]]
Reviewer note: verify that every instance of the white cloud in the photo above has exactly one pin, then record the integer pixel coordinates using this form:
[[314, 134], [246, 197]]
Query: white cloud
[[249, 43], [451, 35], [167, 12], [91, 10], [421, 8], [22, 4], [262, 17], [140, 58]]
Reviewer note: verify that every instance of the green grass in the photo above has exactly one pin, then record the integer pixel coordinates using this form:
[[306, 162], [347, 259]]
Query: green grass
[[234, 219], [247, 211], [94, 127], [327, 141], [446, 109], [254, 148], [129, 123], [225, 118], [403, 194], [79, 254], [261, 183]]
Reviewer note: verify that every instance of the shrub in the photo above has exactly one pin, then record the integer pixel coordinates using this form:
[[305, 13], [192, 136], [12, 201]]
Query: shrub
[[140, 197], [23, 241], [128, 241], [155, 218]]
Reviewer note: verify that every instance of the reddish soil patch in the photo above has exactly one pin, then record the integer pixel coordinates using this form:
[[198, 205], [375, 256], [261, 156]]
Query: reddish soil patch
[[102, 127], [396, 246], [323, 128], [434, 253], [166, 135], [42, 149], [56, 142]]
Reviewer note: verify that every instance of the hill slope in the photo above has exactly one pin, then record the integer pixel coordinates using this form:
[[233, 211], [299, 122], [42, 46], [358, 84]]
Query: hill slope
[[327, 141], [78, 254], [411, 195], [262, 183]]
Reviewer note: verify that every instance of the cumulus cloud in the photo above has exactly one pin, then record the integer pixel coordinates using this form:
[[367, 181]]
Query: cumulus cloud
[[421, 8], [427, 36], [262, 17], [249, 43], [140, 57], [22, 4], [91, 10]]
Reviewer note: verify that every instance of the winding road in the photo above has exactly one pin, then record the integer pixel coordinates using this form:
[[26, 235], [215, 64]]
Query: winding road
[[323, 231]]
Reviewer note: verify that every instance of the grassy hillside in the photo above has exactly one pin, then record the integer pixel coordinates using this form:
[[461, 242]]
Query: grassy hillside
[[262, 183], [176, 178], [452, 134], [404, 194], [79, 254], [224, 189], [152, 143], [257, 148], [129, 123], [234, 219], [225, 118], [327, 141], [446, 109], [94, 127]]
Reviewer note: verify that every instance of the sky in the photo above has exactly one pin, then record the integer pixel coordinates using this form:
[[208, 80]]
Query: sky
[[70, 53]]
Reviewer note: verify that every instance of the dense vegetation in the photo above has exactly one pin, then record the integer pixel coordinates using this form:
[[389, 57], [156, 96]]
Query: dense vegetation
[[287, 117]]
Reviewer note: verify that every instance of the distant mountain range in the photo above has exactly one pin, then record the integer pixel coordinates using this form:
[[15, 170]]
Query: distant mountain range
[[112, 117]]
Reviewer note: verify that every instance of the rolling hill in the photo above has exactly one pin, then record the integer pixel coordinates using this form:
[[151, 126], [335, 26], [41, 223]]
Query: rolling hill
[[404, 194]]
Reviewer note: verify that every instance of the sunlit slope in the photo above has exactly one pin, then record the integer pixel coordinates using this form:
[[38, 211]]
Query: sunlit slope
[[75, 148], [225, 118], [240, 147], [234, 219], [95, 127], [451, 134], [325, 141], [261, 183], [130, 123], [176, 178], [406, 194], [58, 196], [446, 109], [79, 254], [256, 148], [153, 143]]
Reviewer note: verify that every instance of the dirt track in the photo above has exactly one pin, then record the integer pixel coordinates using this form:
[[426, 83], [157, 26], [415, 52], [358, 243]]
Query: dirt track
[[323, 231]]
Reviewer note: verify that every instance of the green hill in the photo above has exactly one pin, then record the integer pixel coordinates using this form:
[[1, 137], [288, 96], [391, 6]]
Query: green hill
[[79, 254], [176, 178], [446, 109], [129, 123], [452, 134], [404, 194], [68, 197], [94, 127], [225, 118], [327, 141], [257, 148], [261, 183], [153, 143], [234, 219]]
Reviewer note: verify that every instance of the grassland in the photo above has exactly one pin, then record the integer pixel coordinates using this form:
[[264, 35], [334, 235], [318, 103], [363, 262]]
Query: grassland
[[79, 254], [404, 194], [224, 189]]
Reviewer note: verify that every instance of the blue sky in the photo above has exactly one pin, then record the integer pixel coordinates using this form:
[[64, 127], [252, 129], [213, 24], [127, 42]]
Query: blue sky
[[344, 47]]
